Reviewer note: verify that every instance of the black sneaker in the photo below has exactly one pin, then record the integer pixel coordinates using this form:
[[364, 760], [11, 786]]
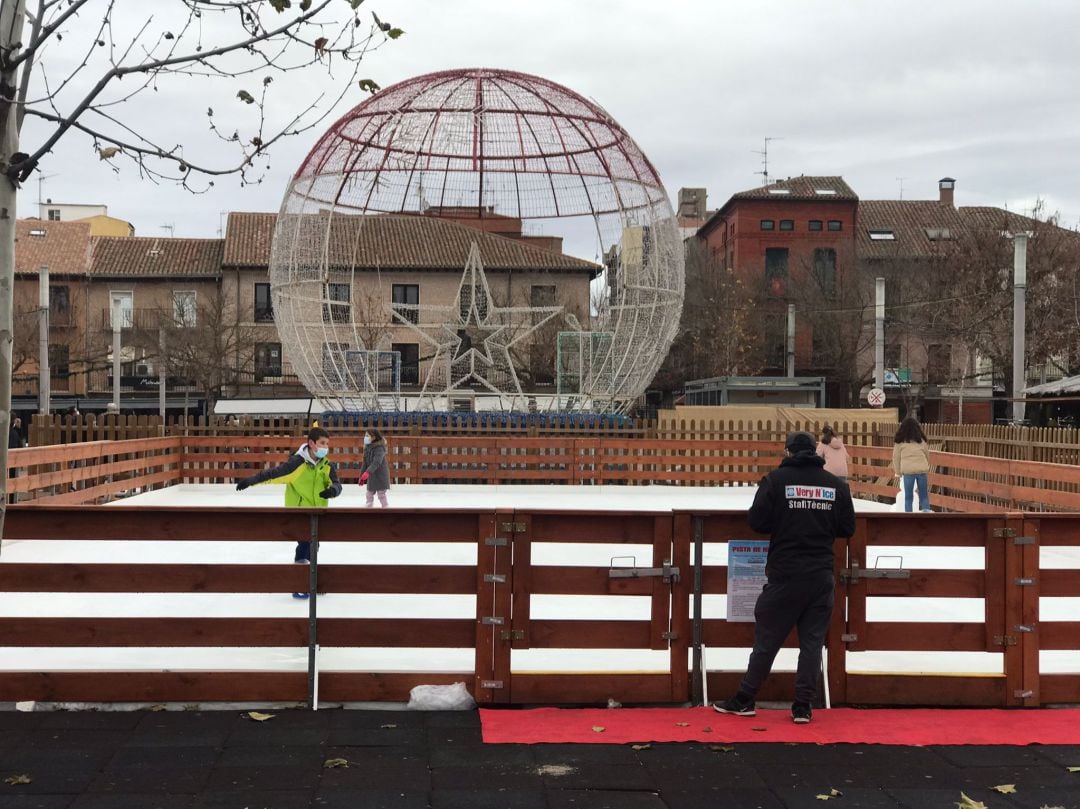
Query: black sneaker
[[740, 705], [301, 595], [801, 713]]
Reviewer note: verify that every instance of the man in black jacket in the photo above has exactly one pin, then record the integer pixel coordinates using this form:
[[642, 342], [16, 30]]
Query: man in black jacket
[[803, 508]]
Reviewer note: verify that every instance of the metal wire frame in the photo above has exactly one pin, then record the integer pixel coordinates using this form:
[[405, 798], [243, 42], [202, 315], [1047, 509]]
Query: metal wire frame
[[480, 144]]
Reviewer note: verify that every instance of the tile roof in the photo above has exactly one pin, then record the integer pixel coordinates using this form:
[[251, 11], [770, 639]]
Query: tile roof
[[802, 188], [146, 257], [63, 247], [912, 222], [405, 242]]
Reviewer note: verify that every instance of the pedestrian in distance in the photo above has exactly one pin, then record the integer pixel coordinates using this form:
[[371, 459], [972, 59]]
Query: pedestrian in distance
[[310, 481], [375, 473], [15, 436], [832, 449], [911, 461], [803, 509]]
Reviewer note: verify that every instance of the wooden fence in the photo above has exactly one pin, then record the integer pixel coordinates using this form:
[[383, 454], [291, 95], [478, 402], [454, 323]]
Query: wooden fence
[[98, 471], [504, 579]]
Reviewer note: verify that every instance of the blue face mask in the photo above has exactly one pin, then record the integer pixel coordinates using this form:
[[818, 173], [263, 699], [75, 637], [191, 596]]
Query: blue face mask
[[367, 440], [322, 452]]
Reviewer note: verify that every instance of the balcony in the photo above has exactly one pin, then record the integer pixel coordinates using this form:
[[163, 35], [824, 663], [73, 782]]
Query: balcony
[[142, 319]]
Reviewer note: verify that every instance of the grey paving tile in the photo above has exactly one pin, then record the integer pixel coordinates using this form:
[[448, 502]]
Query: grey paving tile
[[269, 755], [375, 719], [603, 799], [262, 779], [997, 755], [408, 774], [155, 780], [131, 800], [720, 796], [584, 754], [55, 780], [450, 719], [508, 754], [163, 758], [491, 777], [489, 799], [377, 736], [369, 799], [36, 801], [922, 798], [622, 777], [253, 799], [103, 720], [853, 798]]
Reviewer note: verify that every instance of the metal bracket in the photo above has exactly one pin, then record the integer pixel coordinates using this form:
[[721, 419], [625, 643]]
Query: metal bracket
[[1024, 582], [512, 634], [669, 635], [1024, 628], [849, 637], [668, 573], [1022, 693], [492, 620], [491, 684], [1004, 533], [496, 542], [1023, 540], [854, 573], [512, 527], [1004, 640], [495, 578]]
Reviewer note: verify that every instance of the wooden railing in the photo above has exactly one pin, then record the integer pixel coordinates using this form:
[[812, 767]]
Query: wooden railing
[[503, 578], [98, 471]]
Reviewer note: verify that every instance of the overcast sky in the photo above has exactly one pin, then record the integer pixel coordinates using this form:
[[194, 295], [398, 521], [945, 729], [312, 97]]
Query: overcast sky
[[984, 92]]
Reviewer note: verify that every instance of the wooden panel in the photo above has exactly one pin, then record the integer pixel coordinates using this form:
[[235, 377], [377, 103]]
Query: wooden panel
[[779, 687], [1059, 583], [585, 634], [378, 525], [718, 633], [370, 686], [928, 583], [451, 633], [1059, 530], [1060, 635], [1060, 688], [914, 636], [563, 689], [925, 689], [596, 527], [421, 579], [930, 530], [682, 537], [145, 523], [556, 580], [135, 578], [154, 686]]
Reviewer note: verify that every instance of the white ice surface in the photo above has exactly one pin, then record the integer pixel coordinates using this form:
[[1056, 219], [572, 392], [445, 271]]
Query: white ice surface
[[608, 498]]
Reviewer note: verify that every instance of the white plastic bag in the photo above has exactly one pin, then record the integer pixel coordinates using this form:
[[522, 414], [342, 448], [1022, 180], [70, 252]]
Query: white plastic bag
[[441, 698]]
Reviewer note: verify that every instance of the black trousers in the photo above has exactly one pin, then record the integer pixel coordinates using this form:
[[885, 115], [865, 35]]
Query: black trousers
[[804, 603]]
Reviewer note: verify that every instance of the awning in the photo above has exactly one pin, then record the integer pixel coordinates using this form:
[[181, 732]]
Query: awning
[[1070, 384]]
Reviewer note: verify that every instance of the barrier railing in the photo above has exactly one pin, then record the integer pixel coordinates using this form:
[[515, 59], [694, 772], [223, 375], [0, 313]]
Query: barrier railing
[[510, 565]]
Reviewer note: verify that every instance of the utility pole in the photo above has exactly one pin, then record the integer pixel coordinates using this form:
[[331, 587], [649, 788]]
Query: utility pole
[[161, 376], [117, 316], [44, 378], [1020, 240], [879, 334], [791, 340]]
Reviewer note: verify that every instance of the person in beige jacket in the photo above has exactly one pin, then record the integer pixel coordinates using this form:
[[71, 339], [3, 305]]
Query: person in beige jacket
[[911, 461], [832, 449]]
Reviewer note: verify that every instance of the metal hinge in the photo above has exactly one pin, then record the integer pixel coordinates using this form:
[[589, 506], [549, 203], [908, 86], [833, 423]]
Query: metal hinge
[[1004, 640], [1004, 533], [855, 572], [491, 684], [492, 620], [667, 572], [495, 578], [496, 542], [669, 635], [512, 527], [512, 634], [1024, 582]]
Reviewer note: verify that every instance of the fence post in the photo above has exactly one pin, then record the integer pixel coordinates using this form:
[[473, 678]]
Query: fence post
[[313, 611], [1022, 589], [698, 675]]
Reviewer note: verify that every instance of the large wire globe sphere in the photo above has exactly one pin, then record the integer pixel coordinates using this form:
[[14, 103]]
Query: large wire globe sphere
[[478, 234]]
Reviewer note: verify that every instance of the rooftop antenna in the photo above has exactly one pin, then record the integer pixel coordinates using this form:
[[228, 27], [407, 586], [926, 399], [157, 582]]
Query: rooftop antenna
[[764, 152], [901, 181], [169, 227], [41, 178]]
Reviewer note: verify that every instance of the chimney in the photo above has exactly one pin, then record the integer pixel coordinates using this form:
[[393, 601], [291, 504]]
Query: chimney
[[945, 191]]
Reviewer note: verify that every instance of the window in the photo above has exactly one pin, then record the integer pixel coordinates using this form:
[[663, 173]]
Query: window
[[59, 305], [776, 269], [938, 363], [787, 224], [39, 232], [768, 224], [825, 269], [882, 235], [54, 214], [541, 362], [264, 305], [780, 191], [469, 294], [410, 362], [336, 304], [127, 310], [825, 192], [404, 298], [814, 224], [938, 234], [267, 360], [59, 371], [333, 362], [541, 296], [836, 224], [893, 355], [184, 309]]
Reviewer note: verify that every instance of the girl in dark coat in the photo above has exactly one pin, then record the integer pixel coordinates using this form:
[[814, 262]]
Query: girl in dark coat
[[376, 471]]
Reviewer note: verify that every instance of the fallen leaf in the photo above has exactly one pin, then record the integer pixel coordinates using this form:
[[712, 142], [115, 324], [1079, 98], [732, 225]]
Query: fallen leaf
[[722, 748], [640, 746], [823, 797], [759, 730], [259, 717], [1005, 789], [598, 728], [331, 763], [682, 724], [387, 727], [1073, 769], [16, 780], [836, 793], [1044, 806], [706, 730], [968, 803]]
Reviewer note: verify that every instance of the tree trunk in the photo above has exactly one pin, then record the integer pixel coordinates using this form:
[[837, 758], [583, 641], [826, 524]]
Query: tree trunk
[[12, 15]]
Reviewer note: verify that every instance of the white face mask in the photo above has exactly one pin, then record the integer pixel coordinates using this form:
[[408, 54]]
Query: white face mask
[[322, 452], [367, 440]]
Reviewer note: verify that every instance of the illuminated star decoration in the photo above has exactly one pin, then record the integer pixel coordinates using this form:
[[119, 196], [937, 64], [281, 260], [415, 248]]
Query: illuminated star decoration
[[470, 340]]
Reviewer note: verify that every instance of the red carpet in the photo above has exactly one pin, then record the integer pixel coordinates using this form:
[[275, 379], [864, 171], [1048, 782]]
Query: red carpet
[[906, 726]]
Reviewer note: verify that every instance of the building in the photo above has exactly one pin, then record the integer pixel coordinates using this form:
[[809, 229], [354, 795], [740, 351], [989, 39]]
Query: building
[[101, 224]]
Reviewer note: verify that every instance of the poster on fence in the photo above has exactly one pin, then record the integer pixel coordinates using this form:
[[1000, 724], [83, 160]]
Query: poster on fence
[[745, 576]]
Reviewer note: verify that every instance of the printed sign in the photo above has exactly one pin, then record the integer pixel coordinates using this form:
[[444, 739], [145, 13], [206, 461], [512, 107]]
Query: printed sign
[[745, 576], [876, 397]]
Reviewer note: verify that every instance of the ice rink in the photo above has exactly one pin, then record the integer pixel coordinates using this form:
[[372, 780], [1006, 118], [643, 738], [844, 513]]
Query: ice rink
[[615, 608]]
